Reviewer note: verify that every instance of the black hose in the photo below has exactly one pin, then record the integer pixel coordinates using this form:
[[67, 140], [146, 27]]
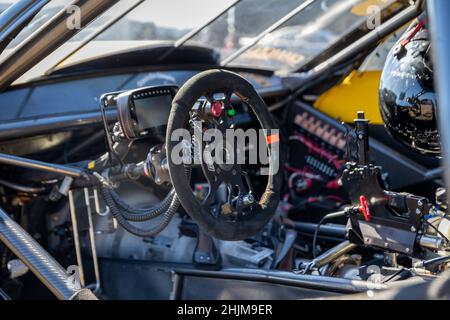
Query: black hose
[[325, 218], [111, 199], [141, 214], [124, 223]]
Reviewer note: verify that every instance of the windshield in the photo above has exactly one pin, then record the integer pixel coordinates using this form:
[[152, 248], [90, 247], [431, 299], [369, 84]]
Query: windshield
[[270, 35], [4, 4], [307, 34]]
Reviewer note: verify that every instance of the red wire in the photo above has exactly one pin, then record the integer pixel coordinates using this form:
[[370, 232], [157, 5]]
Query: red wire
[[414, 31], [316, 149]]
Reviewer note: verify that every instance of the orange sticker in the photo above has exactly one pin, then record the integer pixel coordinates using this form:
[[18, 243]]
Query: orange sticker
[[274, 138]]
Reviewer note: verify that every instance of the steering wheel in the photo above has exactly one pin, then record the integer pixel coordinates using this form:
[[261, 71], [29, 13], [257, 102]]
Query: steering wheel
[[240, 216]]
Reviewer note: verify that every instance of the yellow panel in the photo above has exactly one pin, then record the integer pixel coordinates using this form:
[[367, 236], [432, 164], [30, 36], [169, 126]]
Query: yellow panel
[[364, 8], [91, 165], [358, 92]]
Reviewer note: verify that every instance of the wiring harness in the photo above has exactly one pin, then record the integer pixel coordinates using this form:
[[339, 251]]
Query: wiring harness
[[125, 214]]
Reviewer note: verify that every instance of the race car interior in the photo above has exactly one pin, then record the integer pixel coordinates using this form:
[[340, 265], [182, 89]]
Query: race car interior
[[338, 205]]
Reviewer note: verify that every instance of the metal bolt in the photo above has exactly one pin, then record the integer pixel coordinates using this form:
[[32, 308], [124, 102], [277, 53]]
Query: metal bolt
[[248, 200], [413, 229], [418, 211], [386, 245], [420, 203]]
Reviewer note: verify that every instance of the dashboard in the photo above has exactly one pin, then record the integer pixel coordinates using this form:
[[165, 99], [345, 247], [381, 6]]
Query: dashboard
[[34, 105]]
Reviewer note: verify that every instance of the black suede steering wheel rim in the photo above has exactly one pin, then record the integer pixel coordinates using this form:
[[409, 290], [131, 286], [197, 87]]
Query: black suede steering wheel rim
[[204, 84]]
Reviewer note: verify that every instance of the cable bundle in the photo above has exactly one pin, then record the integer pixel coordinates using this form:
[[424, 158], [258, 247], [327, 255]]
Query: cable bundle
[[124, 213]]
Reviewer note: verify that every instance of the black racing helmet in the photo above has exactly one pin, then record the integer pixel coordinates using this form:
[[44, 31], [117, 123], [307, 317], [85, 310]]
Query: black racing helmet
[[407, 96]]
